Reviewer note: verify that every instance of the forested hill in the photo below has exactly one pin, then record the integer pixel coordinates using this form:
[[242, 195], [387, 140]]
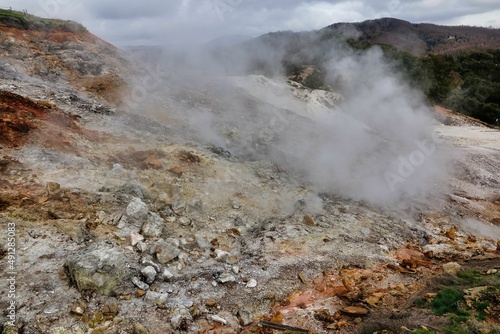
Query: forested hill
[[422, 38], [468, 83]]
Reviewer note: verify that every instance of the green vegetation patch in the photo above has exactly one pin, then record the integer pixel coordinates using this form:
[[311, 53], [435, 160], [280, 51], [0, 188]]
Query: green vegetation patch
[[423, 331], [10, 16], [468, 83], [20, 20], [470, 302], [447, 301]]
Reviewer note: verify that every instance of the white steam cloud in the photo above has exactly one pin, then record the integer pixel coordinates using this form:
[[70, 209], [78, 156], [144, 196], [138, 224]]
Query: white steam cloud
[[376, 144], [397, 156]]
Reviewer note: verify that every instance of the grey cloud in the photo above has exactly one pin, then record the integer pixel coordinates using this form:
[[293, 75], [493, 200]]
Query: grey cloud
[[132, 10], [190, 21]]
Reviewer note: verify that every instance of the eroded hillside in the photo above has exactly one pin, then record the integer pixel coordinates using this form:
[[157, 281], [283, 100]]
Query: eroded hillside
[[62, 52]]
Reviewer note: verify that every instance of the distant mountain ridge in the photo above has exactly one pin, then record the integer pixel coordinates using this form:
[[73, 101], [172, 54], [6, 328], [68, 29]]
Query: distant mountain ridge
[[421, 38], [292, 50]]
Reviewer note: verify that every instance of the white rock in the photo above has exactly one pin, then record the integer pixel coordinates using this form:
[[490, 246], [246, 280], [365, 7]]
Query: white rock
[[140, 284], [221, 255], [184, 221], [384, 248], [142, 246], [440, 250], [170, 220], [252, 283], [165, 250], [149, 262], [103, 217], [202, 243], [135, 238], [122, 222], [246, 316], [226, 277], [150, 273], [52, 310], [167, 274], [153, 227], [117, 168], [159, 299], [174, 241], [137, 210], [218, 319]]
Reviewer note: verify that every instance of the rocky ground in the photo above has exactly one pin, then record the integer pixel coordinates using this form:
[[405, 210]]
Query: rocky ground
[[128, 222]]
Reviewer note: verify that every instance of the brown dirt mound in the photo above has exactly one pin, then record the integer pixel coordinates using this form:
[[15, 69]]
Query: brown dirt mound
[[17, 117], [23, 120], [112, 88]]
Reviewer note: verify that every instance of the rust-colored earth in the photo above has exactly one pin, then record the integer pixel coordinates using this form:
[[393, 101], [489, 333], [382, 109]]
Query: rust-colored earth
[[108, 86], [24, 121]]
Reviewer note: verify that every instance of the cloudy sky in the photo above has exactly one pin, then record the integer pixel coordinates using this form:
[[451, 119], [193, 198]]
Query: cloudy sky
[[153, 22]]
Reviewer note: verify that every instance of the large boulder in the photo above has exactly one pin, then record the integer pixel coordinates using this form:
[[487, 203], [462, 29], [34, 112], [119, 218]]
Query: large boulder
[[136, 214], [137, 211], [100, 268], [165, 250], [153, 227]]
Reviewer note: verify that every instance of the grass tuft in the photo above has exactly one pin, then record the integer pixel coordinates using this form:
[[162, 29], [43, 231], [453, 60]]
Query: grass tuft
[[447, 301], [12, 18], [423, 331]]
